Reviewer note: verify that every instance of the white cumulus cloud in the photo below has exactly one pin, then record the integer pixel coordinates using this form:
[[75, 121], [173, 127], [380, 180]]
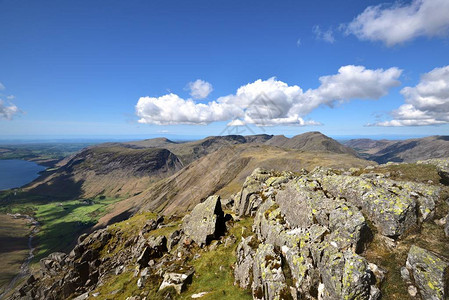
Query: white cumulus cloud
[[425, 104], [7, 112], [200, 89], [2, 87], [270, 102], [401, 22]]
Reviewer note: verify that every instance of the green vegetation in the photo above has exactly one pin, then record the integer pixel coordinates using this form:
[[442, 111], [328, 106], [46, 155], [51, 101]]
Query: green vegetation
[[60, 222], [214, 269], [213, 266]]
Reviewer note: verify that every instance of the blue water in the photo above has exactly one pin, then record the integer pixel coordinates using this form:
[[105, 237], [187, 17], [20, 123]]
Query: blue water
[[16, 173]]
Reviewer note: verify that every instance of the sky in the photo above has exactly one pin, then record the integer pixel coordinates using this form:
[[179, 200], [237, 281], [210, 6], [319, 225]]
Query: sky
[[197, 68]]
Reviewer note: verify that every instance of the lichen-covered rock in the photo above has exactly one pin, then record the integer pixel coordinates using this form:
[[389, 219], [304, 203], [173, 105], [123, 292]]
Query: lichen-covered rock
[[345, 275], [245, 203], [316, 237], [206, 221], [392, 210], [268, 278], [429, 272], [303, 202], [243, 271]]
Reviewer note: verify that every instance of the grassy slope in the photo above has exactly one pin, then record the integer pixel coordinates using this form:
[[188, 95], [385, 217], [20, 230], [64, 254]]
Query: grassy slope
[[212, 275], [214, 269], [60, 222], [13, 247]]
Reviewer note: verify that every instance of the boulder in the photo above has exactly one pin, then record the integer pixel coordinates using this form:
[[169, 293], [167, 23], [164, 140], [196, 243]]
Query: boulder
[[205, 222], [429, 272], [178, 281], [152, 224]]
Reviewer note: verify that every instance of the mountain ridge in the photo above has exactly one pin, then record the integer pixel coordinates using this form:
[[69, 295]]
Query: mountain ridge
[[410, 150]]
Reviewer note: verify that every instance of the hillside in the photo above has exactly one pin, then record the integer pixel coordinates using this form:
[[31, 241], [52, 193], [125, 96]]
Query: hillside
[[108, 169], [223, 172], [325, 234], [410, 150]]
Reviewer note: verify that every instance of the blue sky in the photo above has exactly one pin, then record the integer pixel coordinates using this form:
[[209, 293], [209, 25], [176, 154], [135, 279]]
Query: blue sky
[[79, 68]]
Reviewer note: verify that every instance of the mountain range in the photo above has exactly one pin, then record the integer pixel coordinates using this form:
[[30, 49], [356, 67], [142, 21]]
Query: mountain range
[[241, 217]]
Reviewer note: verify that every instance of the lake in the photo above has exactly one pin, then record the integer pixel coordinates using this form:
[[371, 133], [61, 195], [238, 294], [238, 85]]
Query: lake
[[16, 173]]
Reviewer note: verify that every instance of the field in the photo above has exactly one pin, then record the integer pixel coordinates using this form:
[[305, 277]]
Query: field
[[13, 247], [60, 224]]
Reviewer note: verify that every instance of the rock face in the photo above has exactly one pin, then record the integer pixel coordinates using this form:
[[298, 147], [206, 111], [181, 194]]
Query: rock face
[[152, 248], [249, 198], [206, 221], [310, 230], [268, 278], [245, 259], [391, 205], [429, 272]]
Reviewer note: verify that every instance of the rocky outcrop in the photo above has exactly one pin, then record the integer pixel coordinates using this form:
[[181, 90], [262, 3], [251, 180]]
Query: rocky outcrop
[[391, 205], [249, 198], [154, 247], [268, 278], [318, 237], [245, 259], [311, 230], [206, 221], [429, 272]]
